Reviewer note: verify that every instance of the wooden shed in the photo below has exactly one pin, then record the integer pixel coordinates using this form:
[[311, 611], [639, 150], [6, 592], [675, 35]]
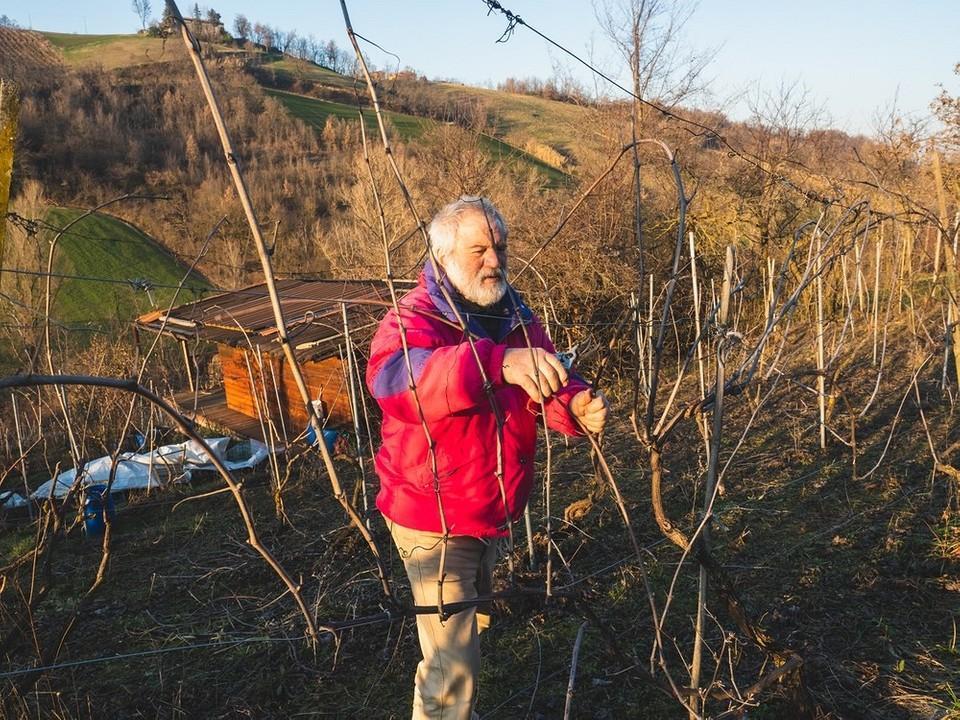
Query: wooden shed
[[329, 322]]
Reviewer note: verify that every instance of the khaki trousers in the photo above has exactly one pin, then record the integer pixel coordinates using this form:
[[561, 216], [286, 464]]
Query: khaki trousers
[[446, 681]]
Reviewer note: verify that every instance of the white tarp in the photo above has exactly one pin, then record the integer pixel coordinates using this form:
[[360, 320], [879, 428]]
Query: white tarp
[[141, 471], [130, 475]]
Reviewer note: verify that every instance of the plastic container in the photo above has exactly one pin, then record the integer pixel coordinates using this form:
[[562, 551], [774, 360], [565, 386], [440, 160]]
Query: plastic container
[[94, 523], [329, 437]]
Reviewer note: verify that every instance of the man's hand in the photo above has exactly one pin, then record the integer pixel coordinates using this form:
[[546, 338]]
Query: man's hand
[[538, 372], [590, 410]]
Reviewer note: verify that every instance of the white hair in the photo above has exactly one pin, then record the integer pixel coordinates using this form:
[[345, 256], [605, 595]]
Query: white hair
[[446, 223]]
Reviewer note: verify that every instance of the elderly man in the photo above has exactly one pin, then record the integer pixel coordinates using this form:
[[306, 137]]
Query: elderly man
[[458, 488]]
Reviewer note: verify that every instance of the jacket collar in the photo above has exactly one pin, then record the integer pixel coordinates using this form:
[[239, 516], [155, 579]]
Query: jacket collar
[[519, 312]]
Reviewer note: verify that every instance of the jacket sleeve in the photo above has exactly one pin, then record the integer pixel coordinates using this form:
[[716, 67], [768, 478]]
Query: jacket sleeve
[[447, 376], [557, 406]]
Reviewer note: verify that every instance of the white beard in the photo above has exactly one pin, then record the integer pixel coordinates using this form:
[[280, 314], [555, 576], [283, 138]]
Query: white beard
[[473, 288]]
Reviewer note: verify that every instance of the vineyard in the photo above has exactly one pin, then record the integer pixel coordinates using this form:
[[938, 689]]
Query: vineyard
[[768, 526]]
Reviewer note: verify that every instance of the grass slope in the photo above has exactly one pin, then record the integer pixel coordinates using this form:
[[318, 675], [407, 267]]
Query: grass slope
[[567, 128], [103, 246], [114, 51], [315, 112], [304, 70]]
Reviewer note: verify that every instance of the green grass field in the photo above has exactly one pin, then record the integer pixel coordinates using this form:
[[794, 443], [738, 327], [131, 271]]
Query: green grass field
[[118, 51], [315, 112], [102, 246], [566, 127], [71, 42], [307, 71]]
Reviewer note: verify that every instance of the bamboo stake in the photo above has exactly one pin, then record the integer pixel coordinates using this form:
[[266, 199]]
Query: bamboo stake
[[528, 526], [262, 406], [704, 428], [878, 251], [193, 49], [150, 432], [901, 268], [942, 213], [712, 474], [568, 705], [352, 393], [649, 338], [952, 282], [848, 301], [821, 360], [858, 268], [23, 458]]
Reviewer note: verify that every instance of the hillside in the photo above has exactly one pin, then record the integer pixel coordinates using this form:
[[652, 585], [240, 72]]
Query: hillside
[[559, 130], [315, 112], [130, 272], [527, 132], [118, 51]]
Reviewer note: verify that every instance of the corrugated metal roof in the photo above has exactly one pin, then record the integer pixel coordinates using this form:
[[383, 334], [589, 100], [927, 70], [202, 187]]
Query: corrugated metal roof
[[311, 310]]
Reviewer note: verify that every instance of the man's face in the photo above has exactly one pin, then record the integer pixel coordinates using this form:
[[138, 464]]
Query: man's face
[[477, 265]]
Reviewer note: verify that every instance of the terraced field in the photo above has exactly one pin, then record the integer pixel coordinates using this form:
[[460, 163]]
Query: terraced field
[[25, 51]]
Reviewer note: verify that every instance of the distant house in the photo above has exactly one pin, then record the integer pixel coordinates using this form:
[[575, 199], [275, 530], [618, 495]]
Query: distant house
[[256, 394]]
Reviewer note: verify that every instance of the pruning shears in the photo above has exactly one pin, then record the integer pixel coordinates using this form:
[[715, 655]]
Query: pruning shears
[[568, 357]]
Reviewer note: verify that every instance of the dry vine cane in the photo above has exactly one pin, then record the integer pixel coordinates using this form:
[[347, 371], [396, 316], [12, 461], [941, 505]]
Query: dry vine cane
[[193, 48], [653, 435]]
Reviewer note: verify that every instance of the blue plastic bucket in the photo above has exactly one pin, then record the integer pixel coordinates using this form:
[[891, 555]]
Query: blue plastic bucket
[[329, 437], [94, 523]]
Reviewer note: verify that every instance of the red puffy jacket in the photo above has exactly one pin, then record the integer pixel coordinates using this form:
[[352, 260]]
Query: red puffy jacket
[[458, 414]]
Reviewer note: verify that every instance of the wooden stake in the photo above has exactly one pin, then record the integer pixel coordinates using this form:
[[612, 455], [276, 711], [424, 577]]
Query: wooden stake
[[878, 250], [23, 459], [712, 476], [354, 410], [704, 428], [821, 360]]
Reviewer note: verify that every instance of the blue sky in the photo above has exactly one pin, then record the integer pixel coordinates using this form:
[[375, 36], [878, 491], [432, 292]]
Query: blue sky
[[853, 58]]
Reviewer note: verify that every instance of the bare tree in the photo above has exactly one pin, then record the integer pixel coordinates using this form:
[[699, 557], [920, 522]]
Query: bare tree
[[241, 26], [286, 40], [648, 34], [302, 47], [947, 110], [331, 55], [314, 50], [142, 9], [258, 30], [269, 38]]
